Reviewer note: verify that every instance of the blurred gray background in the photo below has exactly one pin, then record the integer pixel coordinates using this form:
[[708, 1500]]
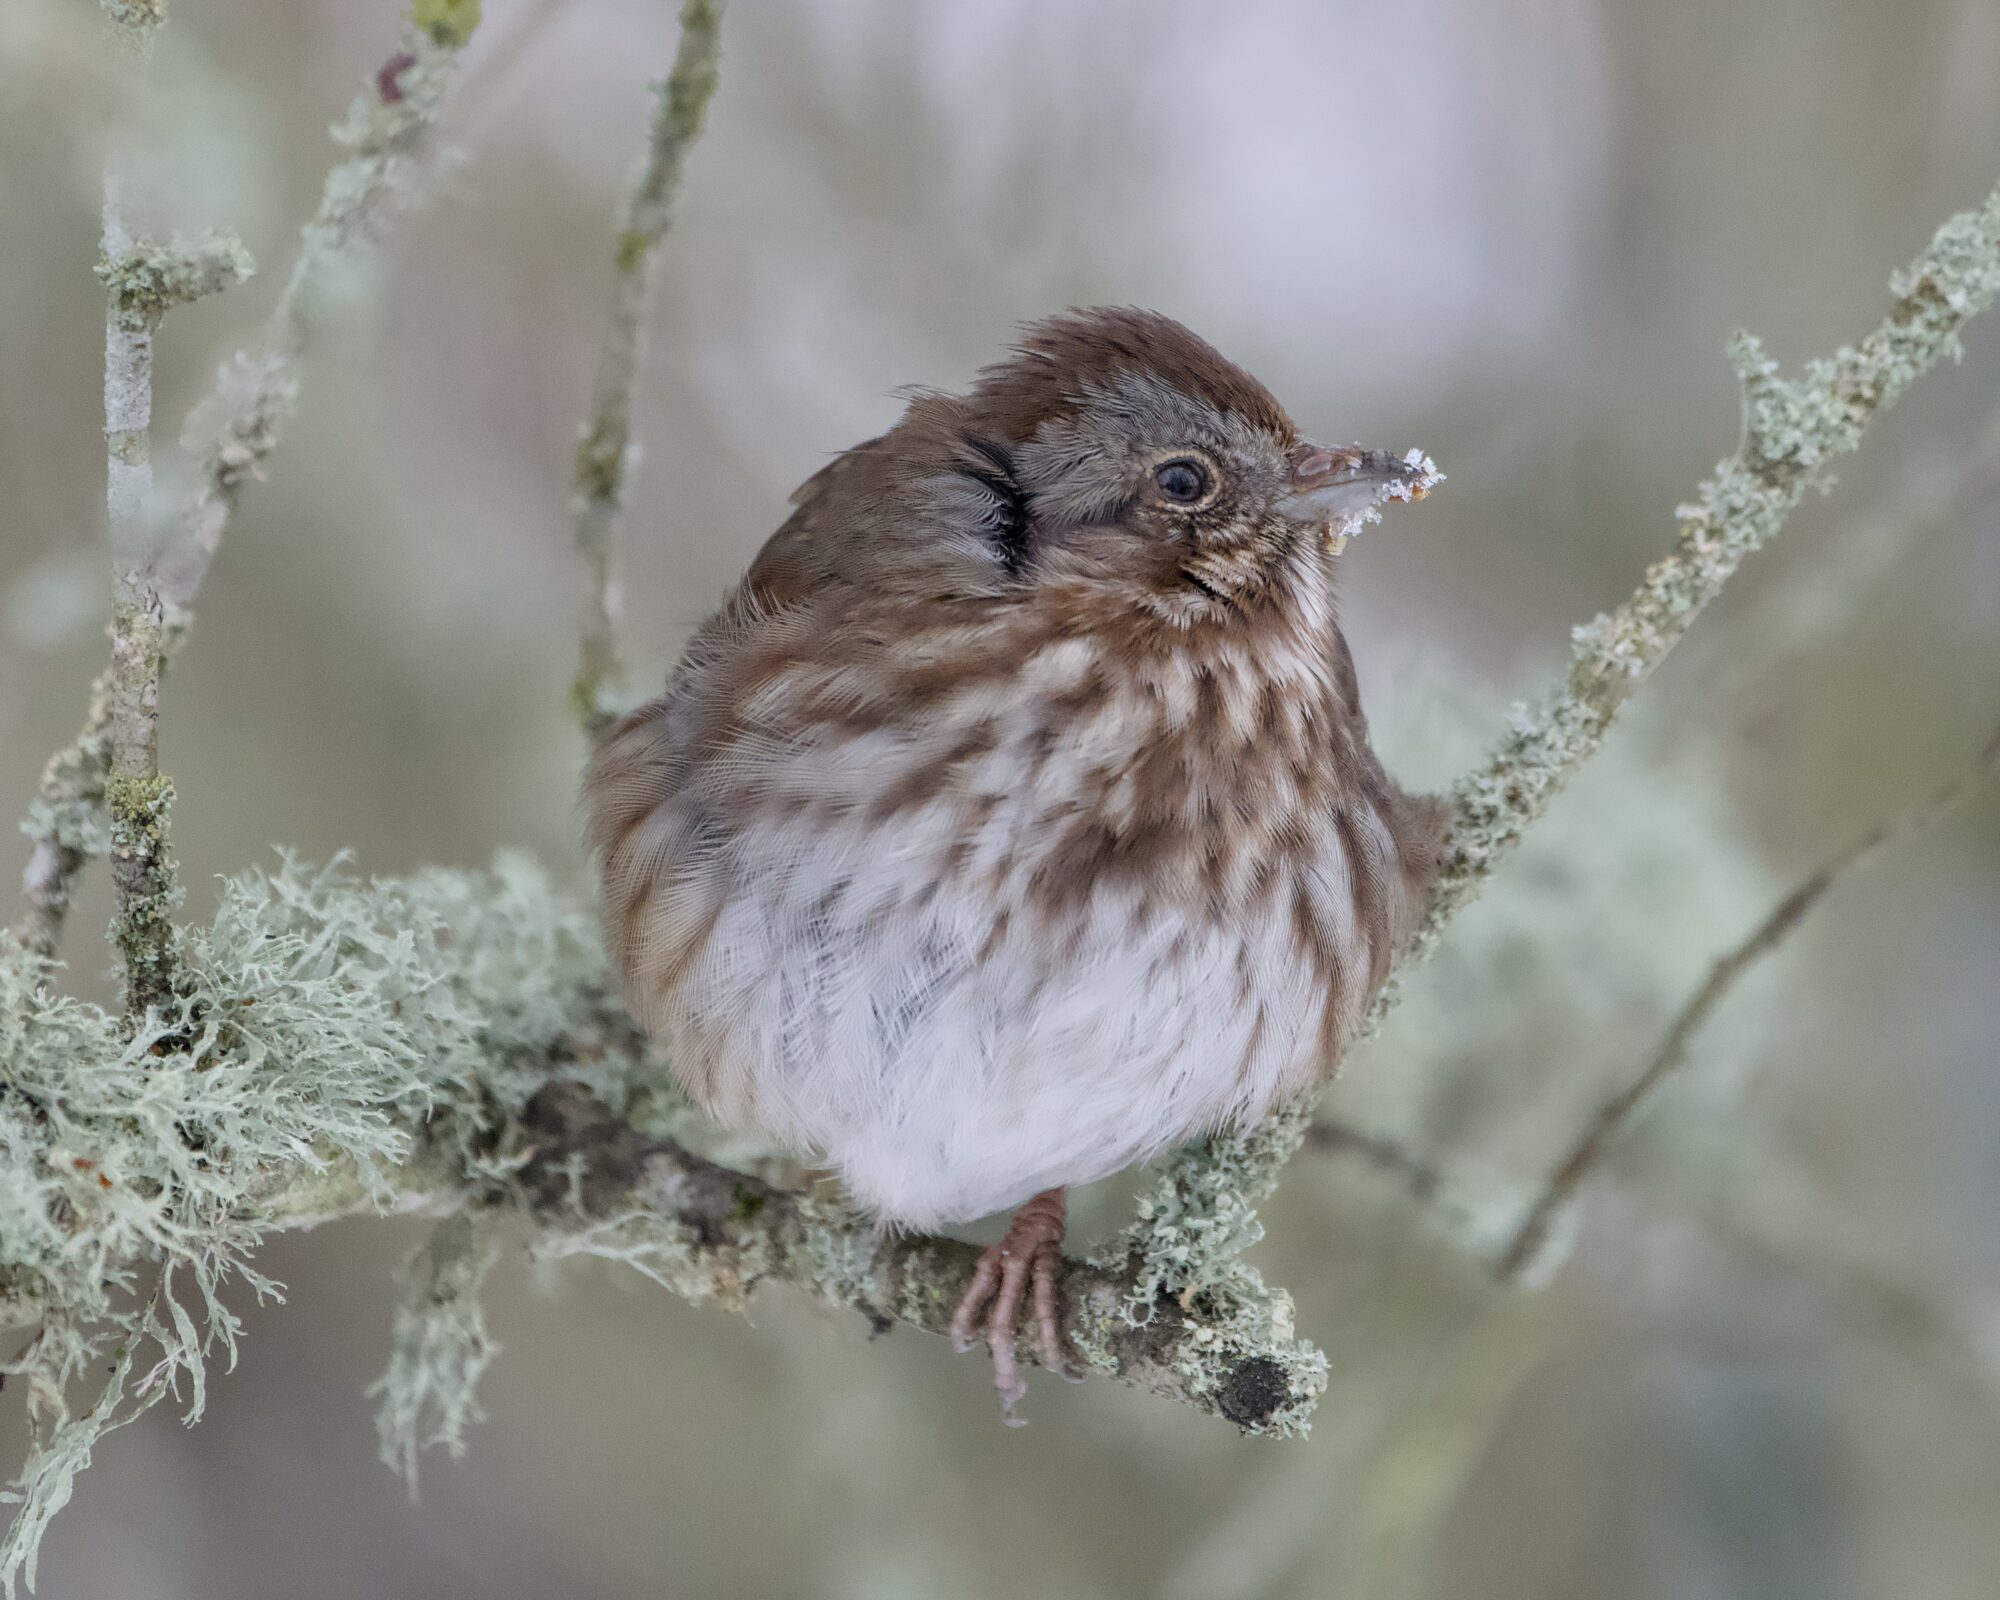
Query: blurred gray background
[[1515, 235]]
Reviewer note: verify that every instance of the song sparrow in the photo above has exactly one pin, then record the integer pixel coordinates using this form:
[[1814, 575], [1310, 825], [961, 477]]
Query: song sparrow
[[1016, 818]]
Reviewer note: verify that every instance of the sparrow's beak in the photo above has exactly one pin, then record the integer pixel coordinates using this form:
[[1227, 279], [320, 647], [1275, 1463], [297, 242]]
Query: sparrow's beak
[[1339, 489]]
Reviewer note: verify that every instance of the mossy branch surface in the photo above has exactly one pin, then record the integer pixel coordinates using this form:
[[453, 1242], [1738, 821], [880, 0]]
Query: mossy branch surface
[[1203, 1211], [605, 452]]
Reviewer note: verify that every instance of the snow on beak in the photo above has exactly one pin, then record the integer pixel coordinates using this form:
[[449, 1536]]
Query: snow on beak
[[1338, 490]]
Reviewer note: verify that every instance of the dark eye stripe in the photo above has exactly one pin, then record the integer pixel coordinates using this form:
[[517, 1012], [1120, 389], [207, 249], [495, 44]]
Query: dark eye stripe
[[1009, 530]]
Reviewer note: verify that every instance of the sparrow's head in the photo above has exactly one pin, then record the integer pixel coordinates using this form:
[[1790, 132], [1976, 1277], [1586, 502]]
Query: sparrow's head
[[1115, 442]]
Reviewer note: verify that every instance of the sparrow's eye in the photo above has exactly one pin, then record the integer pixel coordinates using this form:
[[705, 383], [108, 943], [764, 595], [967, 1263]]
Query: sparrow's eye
[[1182, 480]]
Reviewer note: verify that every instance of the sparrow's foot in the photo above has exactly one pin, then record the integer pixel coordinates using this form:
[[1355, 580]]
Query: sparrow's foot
[[1028, 1261]]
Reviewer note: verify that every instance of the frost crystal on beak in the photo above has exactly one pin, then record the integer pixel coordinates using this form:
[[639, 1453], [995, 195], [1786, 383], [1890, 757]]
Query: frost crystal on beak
[[1340, 491]]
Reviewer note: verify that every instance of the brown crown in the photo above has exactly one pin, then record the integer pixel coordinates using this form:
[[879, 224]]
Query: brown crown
[[1061, 357]]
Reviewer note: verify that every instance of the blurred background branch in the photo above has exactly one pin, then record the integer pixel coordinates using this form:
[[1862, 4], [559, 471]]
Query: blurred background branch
[[229, 436], [1616, 1114]]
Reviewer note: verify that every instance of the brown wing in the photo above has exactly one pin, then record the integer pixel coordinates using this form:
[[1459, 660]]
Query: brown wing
[[800, 557]]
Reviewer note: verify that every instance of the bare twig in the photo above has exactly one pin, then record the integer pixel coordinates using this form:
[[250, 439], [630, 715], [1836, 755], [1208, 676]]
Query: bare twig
[[1203, 1210], [605, 452], [1617, 1113], [232, 432]]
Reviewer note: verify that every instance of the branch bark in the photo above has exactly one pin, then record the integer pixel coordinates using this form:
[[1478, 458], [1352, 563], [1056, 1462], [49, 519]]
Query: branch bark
[[605, 453]]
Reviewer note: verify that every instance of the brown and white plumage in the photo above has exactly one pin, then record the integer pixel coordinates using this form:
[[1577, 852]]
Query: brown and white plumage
[[1015, 818]]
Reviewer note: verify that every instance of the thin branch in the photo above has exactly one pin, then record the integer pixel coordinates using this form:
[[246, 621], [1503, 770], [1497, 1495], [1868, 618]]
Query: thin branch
[[1792, 430], [605, 453], [1204, 1208], [1618, 1112], [1411, 1173], [142, 281], [231, 433], [238, 426]]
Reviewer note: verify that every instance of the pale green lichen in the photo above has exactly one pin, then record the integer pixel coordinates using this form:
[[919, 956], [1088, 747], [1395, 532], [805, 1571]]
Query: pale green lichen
[[448, 22], [321, 1023], [149, 279], [149, 894], [1235, 1349], [1201, 1214], [439, 1346]]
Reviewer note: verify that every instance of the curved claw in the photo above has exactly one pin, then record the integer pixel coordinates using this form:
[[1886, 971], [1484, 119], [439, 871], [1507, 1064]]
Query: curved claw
[[1023, 1268], [985, 1278]]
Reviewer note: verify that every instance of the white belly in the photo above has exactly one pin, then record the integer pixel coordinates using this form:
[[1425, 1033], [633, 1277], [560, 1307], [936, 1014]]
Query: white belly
[[865, 1008]]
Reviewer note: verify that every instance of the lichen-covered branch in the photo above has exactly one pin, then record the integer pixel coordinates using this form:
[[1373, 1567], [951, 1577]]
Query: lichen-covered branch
[[602, 1188], [1203, 1210], [1792, 429], [449, 1044], [1622, 1108], [142, 280], [605, 452], [66, 823], [230, 435]]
